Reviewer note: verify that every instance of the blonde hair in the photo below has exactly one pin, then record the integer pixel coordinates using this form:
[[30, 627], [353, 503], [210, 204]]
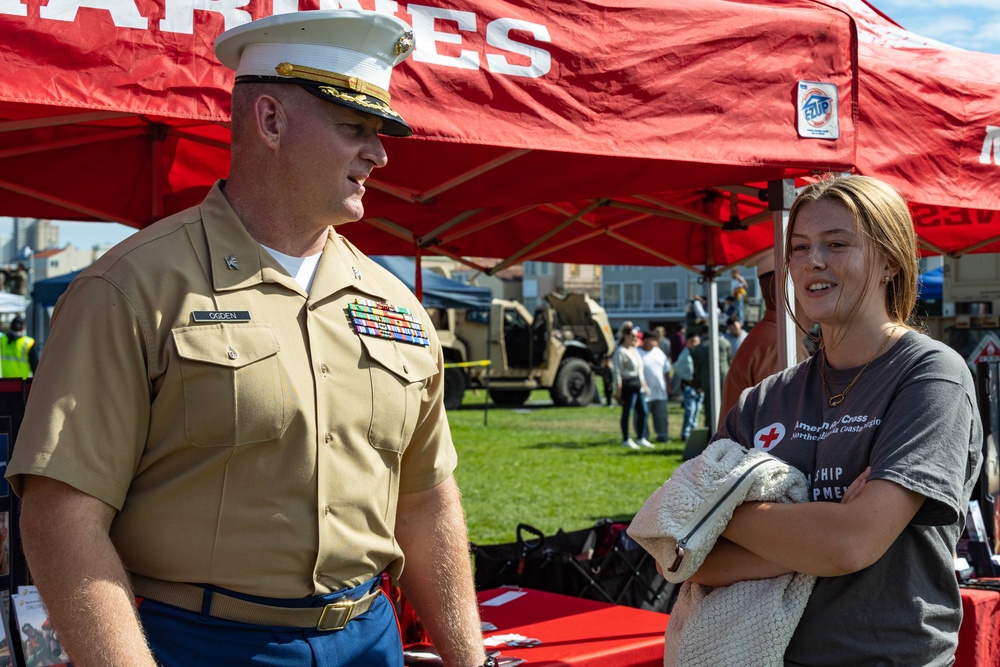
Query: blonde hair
[[884, 219]]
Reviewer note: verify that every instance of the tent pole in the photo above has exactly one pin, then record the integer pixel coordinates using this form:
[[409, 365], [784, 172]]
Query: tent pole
[[418, 280], [715, 382], [780, 195]]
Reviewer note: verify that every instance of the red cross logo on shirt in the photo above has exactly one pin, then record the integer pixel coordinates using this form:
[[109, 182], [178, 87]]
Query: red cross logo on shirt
[[769, 436]]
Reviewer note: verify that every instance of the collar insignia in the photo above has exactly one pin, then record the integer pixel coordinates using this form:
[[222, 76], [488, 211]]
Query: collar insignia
[[232, 264]]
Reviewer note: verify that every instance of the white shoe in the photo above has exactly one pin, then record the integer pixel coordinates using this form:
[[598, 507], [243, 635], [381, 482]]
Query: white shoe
[[630, 443], [646, 443]]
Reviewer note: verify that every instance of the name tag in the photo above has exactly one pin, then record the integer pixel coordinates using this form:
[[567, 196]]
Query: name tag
[[221, 315]]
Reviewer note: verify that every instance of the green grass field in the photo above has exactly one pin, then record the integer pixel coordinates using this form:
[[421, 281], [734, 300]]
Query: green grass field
[[552, 467]]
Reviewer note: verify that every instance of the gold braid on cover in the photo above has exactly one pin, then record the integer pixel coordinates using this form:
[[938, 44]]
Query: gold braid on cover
[[323, 76]]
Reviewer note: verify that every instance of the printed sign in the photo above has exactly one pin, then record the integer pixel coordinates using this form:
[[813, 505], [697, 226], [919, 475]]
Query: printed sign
[[817, 110], [987, 350]]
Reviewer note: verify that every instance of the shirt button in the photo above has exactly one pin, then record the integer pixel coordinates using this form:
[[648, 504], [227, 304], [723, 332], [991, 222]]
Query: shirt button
[[323, 368], [328, 437], [232, 353]]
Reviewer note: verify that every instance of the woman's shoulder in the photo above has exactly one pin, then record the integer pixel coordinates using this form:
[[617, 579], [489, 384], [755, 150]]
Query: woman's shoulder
[[925, 352]]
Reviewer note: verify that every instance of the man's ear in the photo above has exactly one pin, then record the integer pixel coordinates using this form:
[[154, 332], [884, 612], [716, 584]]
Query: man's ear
[[270, 120]]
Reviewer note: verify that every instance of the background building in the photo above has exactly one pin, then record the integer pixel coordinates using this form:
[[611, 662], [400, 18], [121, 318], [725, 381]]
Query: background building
[[652, 296]]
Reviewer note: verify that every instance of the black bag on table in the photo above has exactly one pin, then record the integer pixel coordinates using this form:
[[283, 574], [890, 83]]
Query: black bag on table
[[600, 563]]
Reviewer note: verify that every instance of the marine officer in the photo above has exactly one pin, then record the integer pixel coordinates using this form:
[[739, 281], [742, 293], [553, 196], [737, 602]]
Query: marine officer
[[262, 432]]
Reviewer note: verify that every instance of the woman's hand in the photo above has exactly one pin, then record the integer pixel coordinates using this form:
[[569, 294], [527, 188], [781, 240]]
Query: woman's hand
[[855, 488]]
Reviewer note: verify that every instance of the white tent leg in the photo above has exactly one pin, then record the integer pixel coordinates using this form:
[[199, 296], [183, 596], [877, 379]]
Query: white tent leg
[[715, 381], [781, 194]]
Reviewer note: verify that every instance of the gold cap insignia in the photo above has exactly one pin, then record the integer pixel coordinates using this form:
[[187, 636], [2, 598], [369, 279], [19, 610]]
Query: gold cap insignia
[[404, 43]]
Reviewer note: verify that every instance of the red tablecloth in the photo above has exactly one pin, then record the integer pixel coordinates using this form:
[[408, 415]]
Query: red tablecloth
[[979, 636], [576, 632], [583, 633]]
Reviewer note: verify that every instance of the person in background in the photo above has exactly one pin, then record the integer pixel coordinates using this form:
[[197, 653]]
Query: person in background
[[656, 370], [703, 369], [608, 381], [261, 446], [631, 389], [757, 356], [735, 333], [665, 344], [18, 356], [739, 294], [692, 396], [698, 314], [678, 340], [884, 423]]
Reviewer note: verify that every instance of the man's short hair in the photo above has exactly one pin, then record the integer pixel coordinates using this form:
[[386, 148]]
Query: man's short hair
[[17, 324]]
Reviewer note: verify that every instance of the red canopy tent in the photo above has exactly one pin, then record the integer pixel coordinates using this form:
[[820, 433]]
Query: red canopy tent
[[929, 123], [538, 127]]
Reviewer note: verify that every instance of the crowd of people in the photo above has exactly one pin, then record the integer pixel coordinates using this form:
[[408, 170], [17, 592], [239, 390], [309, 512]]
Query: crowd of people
[[650, 367], [686, 362]]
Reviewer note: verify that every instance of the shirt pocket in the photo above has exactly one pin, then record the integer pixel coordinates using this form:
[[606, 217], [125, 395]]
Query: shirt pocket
[[399, 373], [233, 384]]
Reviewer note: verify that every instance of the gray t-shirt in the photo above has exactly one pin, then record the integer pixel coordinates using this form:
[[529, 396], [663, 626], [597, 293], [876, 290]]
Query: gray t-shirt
[[912, 416]]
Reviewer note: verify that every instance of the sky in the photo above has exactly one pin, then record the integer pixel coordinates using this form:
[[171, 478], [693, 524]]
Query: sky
[[969, 24]]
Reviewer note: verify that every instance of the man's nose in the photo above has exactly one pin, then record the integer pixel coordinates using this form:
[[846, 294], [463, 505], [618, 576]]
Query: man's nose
[[375, 152]]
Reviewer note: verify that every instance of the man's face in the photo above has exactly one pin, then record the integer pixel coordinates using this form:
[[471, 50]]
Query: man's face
[[332, 151], [693, 341]]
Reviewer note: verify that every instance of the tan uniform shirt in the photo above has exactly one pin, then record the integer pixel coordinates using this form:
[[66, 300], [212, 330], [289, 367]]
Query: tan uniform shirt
[[263, 456]]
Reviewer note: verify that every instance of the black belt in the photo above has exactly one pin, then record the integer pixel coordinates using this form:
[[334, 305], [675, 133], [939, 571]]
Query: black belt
[[333, 616]]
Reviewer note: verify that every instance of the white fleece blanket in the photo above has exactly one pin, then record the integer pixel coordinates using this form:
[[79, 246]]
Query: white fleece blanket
[[751, 622]]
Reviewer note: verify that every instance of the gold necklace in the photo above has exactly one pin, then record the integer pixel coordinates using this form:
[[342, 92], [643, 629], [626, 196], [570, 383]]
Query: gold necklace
[[837, 399]]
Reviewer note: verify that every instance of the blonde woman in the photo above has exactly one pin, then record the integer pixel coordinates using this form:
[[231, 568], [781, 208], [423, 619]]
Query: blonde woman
[[883, 422]]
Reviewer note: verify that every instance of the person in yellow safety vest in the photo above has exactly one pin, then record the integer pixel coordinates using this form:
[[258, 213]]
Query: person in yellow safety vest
[[18, 357]]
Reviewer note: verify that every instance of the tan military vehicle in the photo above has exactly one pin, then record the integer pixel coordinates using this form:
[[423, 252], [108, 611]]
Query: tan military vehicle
[[556, 348]]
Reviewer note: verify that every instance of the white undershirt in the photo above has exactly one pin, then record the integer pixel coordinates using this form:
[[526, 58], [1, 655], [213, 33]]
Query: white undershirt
[[303, 269]]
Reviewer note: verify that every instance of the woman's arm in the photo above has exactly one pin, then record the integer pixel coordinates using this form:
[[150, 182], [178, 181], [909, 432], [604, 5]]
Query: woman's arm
[[729, 563], [822, 538]]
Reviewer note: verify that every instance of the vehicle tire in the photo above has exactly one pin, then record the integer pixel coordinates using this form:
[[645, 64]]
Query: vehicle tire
[[510, 397], [574, 385], [454, 387]]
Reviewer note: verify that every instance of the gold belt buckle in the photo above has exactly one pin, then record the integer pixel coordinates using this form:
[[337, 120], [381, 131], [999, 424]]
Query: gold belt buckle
[[334, 608]]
